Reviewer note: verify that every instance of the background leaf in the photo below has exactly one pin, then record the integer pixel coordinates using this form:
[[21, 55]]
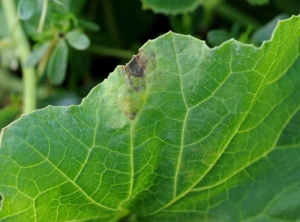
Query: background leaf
[[217, 37], [78, 40], [37, 54], [171, 6], [182, 132], [57, 65], [26, 8]]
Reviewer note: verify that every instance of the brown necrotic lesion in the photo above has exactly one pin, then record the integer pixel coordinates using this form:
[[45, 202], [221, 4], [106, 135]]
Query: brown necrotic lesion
[[136, 66], [134, 72], [131, 95]]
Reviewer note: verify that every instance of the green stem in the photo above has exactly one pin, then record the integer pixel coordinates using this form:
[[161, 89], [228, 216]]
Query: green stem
[[21, 43], [209, 8], [43, 16], [10, 83], [234, 14], [112, 52], [111, 22]]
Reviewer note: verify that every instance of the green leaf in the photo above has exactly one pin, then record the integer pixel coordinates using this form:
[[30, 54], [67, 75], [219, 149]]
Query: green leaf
[[37, 54], [26, 8], [88, 25], [78, 40], [183, 132], [216, 37], [171, 7], [57, 65]]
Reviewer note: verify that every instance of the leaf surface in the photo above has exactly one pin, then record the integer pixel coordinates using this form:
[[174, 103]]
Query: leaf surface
[[181, 133]]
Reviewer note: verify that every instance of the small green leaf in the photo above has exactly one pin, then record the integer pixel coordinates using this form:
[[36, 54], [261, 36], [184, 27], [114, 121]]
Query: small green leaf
[[88, 25], [217, 37], [78, 40], [171, 7], [26, 8], [37, 54], [56, 70]]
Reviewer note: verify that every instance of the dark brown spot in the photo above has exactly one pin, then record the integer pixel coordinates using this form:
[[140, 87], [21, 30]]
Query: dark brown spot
[[131, 115], [136, 66], [134, 71]]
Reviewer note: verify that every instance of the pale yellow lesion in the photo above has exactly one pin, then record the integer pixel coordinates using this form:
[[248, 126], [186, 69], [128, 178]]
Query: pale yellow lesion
[[130, 101]]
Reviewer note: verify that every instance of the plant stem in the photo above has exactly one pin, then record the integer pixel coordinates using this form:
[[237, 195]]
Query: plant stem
[[209, 8], [12, 84], [111, 22], [21, 42], [112, 52], [43, 16], [234, 14]]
